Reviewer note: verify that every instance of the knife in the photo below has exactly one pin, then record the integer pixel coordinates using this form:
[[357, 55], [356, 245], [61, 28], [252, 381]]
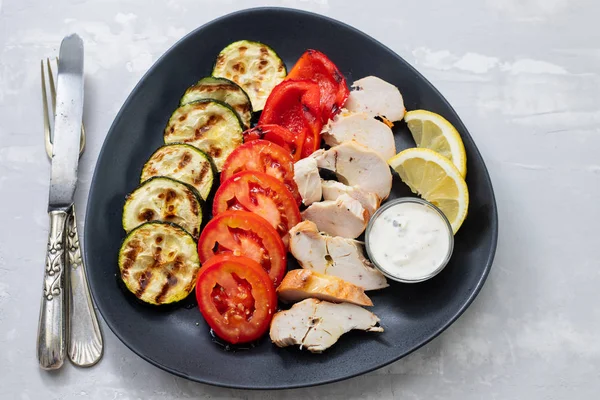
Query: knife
[[52, 331]]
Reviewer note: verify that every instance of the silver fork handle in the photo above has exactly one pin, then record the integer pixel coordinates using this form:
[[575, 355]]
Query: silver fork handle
[[51, 327], [85, 337]]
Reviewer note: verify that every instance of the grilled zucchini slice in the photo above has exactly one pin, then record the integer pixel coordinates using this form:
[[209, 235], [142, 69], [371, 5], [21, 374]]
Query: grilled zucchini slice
[[163, 199], [252, 65], [224, 90], [209, 125], [184, 163], [159, 262]]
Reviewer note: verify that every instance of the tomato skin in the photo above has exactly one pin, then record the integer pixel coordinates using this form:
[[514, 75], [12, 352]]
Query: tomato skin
[[236, 298], [295, 105], [278, 135], [246, 234], [261, 194], [317, 67], [263, 156]]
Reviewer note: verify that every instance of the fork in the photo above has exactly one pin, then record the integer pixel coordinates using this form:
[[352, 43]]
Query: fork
[[85, 343]]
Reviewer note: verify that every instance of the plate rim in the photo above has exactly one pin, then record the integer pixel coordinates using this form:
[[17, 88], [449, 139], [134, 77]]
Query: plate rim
[[494, 209]]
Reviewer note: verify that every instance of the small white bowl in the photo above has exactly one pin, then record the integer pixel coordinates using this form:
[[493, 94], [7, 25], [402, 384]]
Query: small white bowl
[[394, 202]]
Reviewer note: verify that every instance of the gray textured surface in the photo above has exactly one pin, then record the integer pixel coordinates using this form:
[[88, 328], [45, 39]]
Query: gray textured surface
[[523, 76]]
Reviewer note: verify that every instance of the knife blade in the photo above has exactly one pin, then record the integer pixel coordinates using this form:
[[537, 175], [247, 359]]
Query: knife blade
[[52, 331], [67, 123]]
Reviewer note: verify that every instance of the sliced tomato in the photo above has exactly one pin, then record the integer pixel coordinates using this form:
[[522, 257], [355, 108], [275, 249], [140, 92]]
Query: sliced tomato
[[295, 105], [236, 298], [278, 135], [263, 156], [315, 66], [261, 194], [243, 233]]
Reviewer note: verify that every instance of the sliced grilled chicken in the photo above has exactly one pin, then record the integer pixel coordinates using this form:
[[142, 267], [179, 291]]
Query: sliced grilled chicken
[[357, 165], [376, 97], [363, 128], [300, 284], [335, 256], [316, 325], [343, 216], [306, 176], [333, 189]]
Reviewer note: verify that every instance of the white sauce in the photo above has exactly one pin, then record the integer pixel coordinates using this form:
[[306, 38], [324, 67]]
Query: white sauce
[[409, 240]]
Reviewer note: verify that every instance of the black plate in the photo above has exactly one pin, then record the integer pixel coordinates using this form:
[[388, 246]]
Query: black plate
[[176, 338]]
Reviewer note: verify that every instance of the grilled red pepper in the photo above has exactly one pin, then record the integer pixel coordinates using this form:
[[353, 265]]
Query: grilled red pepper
[[278, 135], [295, 105], [315, 66]]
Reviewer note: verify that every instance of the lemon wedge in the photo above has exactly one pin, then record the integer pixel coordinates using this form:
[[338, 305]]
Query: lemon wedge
[[436, 179], [434, 132]]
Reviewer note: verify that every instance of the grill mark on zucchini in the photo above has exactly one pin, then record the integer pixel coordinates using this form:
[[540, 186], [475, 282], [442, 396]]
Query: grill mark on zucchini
[[247, 109], [143, 281], [182, 162], [239, 67], [150, 171], [163, 199], [146, 275], [222, 89], [215, 152], [177, 264], [213, 127], [200, 177], [185, 160], [159, 263], [146, 215], [194, 201], [252, 65], [131, 255], [171, 281], [212, 121], [170, 195]]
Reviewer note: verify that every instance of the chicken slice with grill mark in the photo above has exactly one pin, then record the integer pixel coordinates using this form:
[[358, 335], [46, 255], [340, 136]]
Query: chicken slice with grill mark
[[376, 97], [343, 216], [300, 284], [363, 128], [333, 255], [357, 165], [333, 189], [316, 325]]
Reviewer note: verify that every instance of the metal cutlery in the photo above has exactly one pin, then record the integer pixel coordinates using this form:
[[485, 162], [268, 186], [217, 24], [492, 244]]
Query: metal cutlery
[[47, 113], [66, 312], [85, 344]]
